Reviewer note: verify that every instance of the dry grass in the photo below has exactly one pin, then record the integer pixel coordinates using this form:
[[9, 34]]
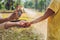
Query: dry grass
[[37, 28]]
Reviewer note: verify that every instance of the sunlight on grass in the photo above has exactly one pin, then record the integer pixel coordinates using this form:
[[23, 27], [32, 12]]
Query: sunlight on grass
[[23, 17], [17, 31]]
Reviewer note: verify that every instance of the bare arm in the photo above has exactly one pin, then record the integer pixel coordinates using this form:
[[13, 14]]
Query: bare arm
[[3, 20], [7, 25], [20, 24], [10, 24], [48, 13], [13, 16]]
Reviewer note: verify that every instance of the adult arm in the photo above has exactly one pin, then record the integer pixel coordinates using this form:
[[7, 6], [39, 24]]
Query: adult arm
[[7, 25], [11, 17]]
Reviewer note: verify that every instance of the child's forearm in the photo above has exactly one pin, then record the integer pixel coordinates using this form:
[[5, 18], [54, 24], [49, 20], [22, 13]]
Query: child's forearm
[[38, 19], [48, 13]]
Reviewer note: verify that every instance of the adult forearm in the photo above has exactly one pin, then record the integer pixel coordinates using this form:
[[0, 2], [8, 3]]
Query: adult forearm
[[11, 24], [7, 25], [2, 20]]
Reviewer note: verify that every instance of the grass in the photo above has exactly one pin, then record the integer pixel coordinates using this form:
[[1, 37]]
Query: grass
[[19, 33]]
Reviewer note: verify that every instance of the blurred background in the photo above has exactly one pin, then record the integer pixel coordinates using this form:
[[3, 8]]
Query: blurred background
[[39, 5], [33, 9]]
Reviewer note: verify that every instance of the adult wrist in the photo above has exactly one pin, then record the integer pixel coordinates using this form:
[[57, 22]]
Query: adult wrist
[[10, 24], [7, 19], [17, 24], [5, 26]]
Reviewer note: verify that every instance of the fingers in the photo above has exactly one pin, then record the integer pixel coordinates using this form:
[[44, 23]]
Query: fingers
[[14, 15], [28, 24], [17, 15], [24, 24]]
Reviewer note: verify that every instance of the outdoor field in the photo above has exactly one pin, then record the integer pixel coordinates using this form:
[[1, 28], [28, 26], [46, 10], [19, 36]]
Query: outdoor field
[[40, 28], [33, 9]]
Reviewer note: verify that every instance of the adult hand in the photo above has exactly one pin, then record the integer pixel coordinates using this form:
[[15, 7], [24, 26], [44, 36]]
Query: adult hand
[[24, 24], [17, 13], [13, 16], [28, 24]]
